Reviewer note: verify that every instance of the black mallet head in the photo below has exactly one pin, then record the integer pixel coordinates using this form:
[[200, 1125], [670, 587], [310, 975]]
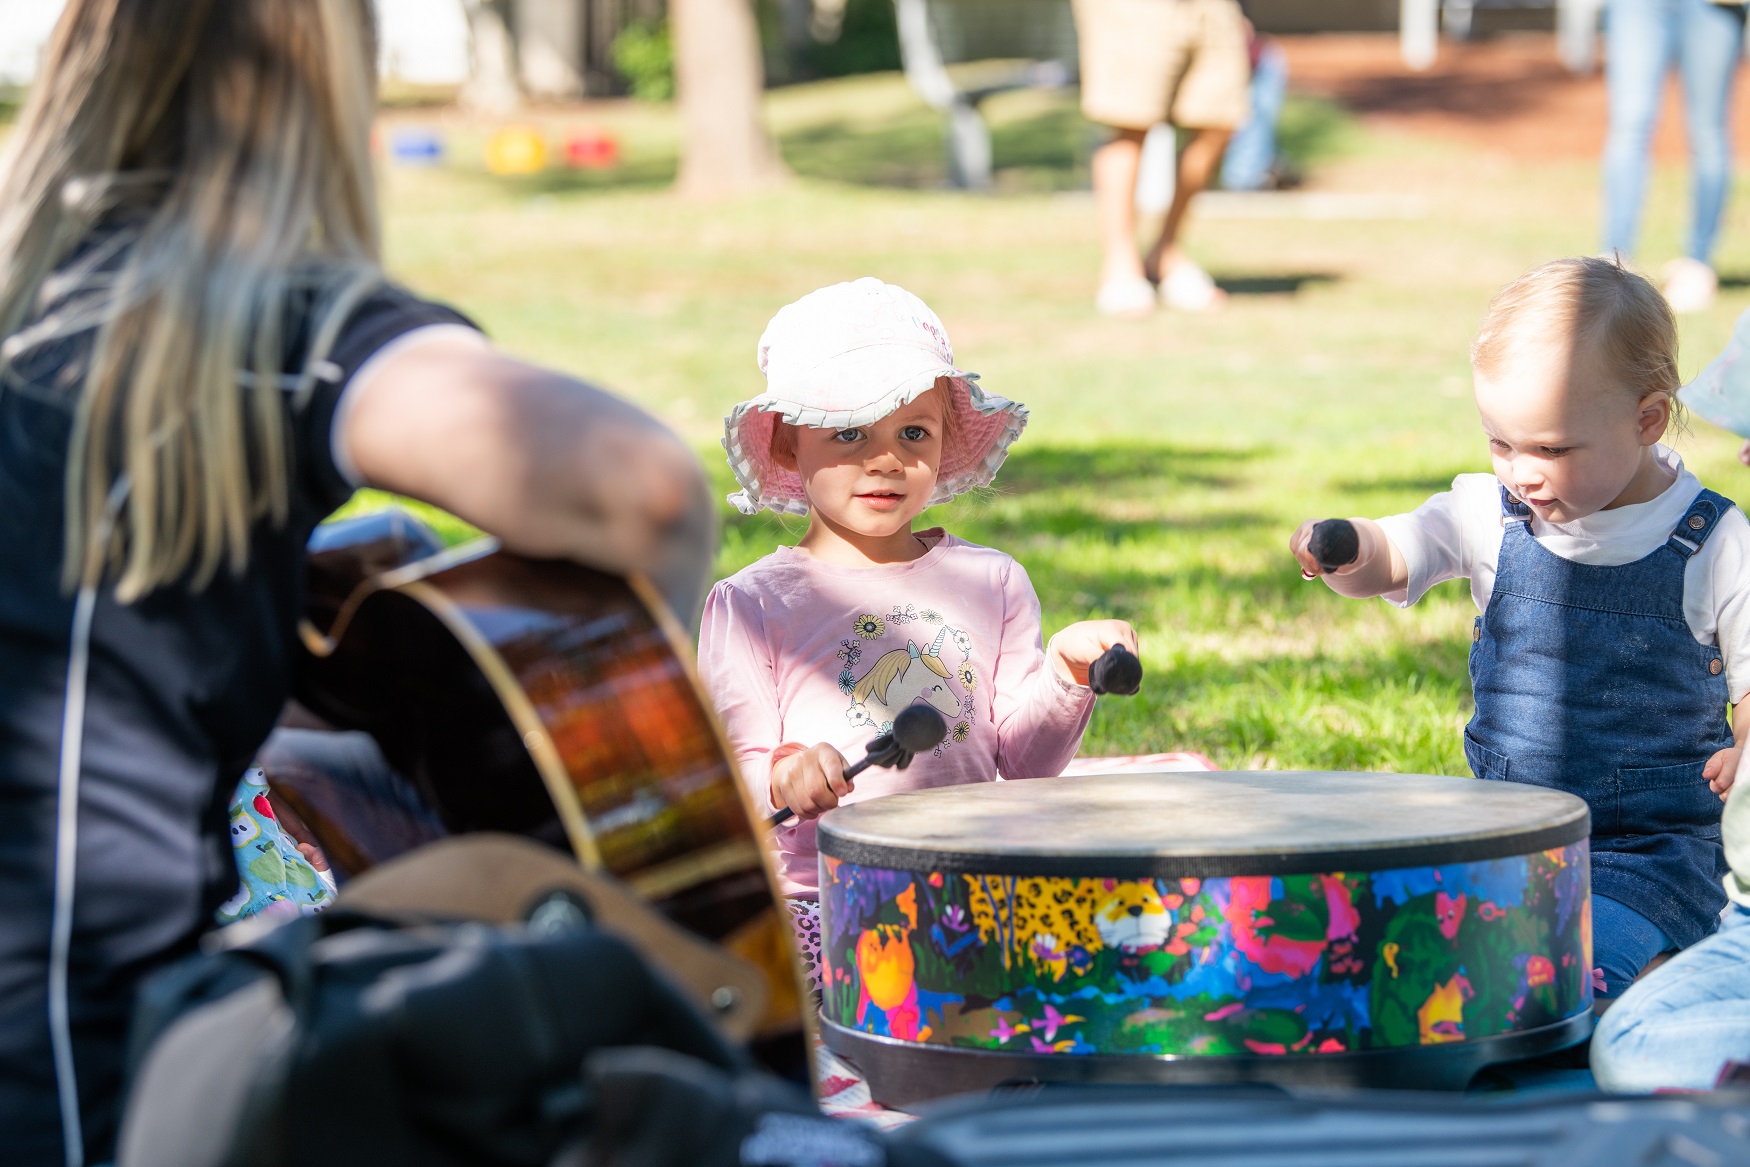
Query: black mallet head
[[1116, 671], [918, 729], [1335, 543]]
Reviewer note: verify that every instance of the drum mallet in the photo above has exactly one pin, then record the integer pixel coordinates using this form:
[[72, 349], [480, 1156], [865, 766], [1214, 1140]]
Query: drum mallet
[[1334, 544], [1115, 671], [916, 729]]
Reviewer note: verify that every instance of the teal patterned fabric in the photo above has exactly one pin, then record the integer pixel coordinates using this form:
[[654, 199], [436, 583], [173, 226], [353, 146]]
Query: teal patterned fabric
[[275, 879]]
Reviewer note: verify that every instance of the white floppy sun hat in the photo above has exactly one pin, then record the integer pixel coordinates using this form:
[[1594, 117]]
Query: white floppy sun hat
[[847, 356]]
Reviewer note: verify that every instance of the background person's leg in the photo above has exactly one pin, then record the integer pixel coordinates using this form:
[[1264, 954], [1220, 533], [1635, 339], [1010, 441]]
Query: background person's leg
[[1623, 943], [1679, 1027], [1253, 153], [1197, 165], [1638, 36], [1709, 43], [1115, 166]]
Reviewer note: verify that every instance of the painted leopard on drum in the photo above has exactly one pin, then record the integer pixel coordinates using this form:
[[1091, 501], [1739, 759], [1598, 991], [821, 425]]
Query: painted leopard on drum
[[1060, 923]]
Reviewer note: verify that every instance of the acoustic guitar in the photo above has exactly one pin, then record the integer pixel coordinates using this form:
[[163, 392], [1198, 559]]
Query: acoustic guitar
[[535, 698]]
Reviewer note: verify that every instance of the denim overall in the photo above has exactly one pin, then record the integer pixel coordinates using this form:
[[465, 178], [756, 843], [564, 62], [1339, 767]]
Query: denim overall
[[1588, 679]]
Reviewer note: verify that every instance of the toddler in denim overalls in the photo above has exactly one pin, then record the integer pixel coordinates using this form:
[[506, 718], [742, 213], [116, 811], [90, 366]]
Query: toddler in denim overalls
[[1614, 591]]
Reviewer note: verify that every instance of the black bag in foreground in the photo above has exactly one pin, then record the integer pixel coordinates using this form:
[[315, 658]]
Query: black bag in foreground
[[340, 1040]]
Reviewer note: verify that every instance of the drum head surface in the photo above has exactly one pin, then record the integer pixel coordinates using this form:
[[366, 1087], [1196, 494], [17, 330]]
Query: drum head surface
[[1210, 824]]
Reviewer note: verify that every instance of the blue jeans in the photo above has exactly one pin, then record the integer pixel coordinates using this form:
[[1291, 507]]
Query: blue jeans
[[1252, 152], [1623, 943], [1680, 1026], [1642, 37]]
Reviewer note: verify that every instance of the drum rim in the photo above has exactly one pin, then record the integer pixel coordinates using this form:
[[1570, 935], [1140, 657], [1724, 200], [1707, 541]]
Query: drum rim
[[1447, 1065], [1312, 860]]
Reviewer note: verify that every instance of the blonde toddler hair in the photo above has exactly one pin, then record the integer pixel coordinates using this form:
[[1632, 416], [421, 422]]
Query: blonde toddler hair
[[1594, 305]]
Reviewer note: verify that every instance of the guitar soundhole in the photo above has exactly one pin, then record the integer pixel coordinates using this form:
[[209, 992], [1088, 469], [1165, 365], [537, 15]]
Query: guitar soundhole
[[444, 728]]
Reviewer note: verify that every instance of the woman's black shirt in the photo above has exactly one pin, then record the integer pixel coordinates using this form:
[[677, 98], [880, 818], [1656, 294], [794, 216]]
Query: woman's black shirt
[[183, 687]]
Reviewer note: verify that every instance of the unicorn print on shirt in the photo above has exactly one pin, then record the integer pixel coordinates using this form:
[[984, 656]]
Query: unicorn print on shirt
[[903, 676]]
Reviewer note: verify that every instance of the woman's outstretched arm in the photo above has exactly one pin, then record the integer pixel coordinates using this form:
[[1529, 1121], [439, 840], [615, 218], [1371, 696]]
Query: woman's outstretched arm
[[552, 466]]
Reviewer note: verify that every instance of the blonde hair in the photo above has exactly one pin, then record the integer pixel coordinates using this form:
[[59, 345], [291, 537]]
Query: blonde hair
[[1592, 304], [891, 667], [784, 434], [228, 141]]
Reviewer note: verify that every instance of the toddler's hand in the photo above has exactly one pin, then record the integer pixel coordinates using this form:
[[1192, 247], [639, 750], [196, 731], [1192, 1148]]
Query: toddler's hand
[[1077, 647], [810, 782], [1744, 453], [1721, 771], [1337, 550]]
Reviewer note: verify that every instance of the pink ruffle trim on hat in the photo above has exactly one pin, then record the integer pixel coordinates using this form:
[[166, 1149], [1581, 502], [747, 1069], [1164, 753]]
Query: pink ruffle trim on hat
[[985, 426]]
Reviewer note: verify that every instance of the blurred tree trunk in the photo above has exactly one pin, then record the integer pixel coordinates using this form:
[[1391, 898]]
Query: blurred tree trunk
[[492, 85], [720, 83]]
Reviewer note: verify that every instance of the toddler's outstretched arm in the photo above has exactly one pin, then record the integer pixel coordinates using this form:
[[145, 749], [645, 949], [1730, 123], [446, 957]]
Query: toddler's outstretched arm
[[1377, 569]]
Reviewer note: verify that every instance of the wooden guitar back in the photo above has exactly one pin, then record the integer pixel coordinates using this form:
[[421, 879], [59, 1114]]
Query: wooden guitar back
[[535, 698]]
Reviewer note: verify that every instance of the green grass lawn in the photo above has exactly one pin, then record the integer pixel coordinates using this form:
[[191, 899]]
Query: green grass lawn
[[1167, 460]]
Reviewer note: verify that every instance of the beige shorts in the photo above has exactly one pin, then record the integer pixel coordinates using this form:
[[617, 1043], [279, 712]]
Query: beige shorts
[[1180, 61]]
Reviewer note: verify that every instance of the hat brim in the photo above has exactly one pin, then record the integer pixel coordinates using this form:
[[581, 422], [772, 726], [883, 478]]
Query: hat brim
[[983, 429]]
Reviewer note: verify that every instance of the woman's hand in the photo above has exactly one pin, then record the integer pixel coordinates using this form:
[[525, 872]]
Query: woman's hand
[[1073, 650], [810, 782]]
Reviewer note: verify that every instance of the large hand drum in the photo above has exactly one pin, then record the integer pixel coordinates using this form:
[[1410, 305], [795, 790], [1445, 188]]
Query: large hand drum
[[1365, 929]]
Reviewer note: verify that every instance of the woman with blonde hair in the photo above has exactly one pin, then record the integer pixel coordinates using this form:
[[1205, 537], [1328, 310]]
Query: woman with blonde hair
[[199, 359]]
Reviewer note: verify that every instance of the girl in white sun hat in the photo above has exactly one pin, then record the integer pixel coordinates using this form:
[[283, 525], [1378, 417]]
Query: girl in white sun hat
[[812, 651]]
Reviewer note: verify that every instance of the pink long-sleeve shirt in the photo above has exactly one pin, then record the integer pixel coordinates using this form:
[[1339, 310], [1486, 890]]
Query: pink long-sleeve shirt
[[794, 651]]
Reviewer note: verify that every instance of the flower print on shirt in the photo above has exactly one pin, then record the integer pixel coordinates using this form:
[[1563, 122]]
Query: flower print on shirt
[[902, 676]]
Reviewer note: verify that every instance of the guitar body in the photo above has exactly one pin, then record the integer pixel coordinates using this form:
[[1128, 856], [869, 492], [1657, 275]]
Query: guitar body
[[535, 698]]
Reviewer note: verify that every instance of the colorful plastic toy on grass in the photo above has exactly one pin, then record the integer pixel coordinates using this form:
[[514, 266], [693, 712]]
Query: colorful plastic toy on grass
[[1358, 929], [592, 150], [513, 150], [413, 146]]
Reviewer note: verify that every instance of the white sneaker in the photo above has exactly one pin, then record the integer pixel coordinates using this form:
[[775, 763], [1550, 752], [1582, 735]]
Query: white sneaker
[[1188, 288], [1131, 298], [1690, 285]]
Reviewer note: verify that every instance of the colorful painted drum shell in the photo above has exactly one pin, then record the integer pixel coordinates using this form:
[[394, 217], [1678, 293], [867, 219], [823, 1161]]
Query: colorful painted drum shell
[[1325, 962]]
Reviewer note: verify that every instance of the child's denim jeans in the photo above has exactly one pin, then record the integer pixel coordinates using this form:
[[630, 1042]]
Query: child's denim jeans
[[1679, 1026]]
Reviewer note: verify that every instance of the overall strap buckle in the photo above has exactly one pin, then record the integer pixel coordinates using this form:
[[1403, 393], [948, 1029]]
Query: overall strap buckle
[[1698, 522], [1512, 510]]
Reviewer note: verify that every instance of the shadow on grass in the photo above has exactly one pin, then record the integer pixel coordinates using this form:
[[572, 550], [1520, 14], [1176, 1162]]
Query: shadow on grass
[[1315, 129], [1394, 711], [1282, 285], [1419, 483], [1046, 151], [1201, 592], [1090, 524], [1039, 468]]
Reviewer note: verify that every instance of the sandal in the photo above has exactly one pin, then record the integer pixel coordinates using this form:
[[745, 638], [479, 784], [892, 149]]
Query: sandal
[[1188, 288], [1130, 298], [1690, 285]]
